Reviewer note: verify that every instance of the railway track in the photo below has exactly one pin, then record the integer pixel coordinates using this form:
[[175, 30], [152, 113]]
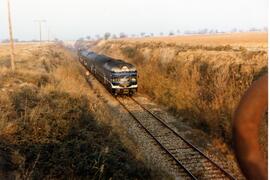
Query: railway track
[[189, 161]]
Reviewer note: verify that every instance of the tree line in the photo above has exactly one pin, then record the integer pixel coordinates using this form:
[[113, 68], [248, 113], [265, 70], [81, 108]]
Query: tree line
[[108, 35]]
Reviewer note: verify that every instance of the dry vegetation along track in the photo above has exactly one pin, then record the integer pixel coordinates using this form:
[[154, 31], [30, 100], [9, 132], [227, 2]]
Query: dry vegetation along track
[[190, 161]]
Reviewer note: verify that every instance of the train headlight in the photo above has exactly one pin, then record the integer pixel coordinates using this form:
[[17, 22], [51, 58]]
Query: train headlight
[[133, 79], [114, 80]]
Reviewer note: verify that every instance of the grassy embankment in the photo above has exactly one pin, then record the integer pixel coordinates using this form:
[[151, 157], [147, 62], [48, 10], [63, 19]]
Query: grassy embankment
[[48, 121], [199, 78]]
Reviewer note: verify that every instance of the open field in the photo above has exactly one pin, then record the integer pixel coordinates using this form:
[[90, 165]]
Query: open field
[[51, 123], [199, 78], [248, 39]]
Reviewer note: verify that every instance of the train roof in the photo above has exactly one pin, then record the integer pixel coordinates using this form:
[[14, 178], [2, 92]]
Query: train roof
[[115, 65], [119, 66]]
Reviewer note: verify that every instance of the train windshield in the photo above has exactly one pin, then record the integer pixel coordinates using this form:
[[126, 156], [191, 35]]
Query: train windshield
[[123, 74], [124, 77]]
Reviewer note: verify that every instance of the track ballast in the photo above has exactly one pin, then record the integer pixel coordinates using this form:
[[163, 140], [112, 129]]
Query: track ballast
[[189, 161]]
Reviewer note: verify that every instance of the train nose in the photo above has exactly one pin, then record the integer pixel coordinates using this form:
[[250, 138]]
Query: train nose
[[124, 82]]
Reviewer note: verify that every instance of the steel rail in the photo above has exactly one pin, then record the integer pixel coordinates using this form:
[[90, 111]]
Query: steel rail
[[157, 141], [172, 130], [186, 141]]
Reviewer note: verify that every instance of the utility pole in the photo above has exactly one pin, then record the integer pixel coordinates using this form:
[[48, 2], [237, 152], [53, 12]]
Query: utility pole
[[12, 54], [40, 26]]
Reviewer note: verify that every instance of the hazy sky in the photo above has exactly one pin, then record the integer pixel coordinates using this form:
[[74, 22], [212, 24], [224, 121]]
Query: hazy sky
[[71, 19]]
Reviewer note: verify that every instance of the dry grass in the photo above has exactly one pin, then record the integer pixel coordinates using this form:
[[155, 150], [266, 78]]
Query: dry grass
[[249, 39], [200, 83], [48, 126]]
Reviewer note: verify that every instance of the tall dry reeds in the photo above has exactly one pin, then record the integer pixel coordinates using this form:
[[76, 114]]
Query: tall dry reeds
[[201, 84]]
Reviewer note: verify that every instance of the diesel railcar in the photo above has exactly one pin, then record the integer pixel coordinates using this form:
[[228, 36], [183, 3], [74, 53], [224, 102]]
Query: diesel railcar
[[116, 75]]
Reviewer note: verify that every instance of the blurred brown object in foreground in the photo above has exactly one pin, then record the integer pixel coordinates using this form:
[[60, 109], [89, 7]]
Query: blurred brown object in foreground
[[247, 119]]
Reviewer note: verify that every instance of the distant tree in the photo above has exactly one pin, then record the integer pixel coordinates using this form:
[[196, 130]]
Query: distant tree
[[142, 34], [253, 29], [211, 31], [5, 41], [203, 31], [161, 33], [80, 39], [171, 33], [265, 29], [122, 35], [152, 34], [214, 31], [114, 36], [107, 35], [178, 31], [88, 38], [233, 30], [8, 40]]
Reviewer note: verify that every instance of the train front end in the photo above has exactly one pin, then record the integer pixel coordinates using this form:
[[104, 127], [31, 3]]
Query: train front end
[[123, 78]]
